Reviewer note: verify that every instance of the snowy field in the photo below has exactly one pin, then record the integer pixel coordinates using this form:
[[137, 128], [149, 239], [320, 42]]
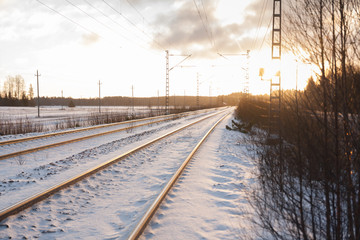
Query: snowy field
[[59, 117], [49, 112], [209, 201]]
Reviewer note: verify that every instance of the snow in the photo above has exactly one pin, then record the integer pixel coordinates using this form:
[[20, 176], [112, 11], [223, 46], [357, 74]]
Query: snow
[[40, 170], [6, 149], [209, 200], [54, 117], [61, 112]]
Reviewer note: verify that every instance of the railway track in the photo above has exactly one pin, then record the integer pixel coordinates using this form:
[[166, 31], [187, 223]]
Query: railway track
[[145, 220], [130, 125], [19, 140], [26, 203]]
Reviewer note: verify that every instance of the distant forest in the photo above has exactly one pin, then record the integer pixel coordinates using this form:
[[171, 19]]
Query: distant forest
[[14, 94], [191, 101], [224, 100]]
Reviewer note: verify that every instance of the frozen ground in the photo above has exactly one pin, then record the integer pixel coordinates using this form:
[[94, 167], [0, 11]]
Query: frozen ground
[[23, 175], [54, 117], [210, 199], [108, 205], [62, 111]]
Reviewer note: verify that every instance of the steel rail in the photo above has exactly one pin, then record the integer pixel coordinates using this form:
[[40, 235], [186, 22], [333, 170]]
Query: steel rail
[[86, 129], [23, 152], [26, 203], [140, 227], [26, 151]]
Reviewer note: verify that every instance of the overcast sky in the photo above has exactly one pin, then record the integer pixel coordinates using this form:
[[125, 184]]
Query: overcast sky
[[76, 43]]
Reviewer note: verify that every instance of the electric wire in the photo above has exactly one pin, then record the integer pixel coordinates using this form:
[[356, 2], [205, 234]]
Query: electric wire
[[106, 26], [266, 33], [143, 17], [101, 23], [265, 3], [202, 20], [207, 21], [136, 10], [133, 24], [74, 22], [125, 29], [92, 32], [118, 24]]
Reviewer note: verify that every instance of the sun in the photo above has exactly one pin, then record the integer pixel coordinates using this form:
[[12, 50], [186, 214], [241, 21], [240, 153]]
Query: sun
[[294, 73]]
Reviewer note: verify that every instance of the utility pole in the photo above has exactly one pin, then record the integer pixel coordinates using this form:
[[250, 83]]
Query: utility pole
[[197, 91], [38, 95], [184, 98], [158, 102], [168, 69], [99, 98], [132, 102], [210, 95], [174, 101], [62, 99]]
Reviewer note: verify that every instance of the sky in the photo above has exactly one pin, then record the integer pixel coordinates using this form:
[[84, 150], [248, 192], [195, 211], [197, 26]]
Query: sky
[[74, 44]]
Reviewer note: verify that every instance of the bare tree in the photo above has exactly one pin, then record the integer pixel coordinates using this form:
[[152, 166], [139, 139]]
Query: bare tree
[[9, 87], [320, 193], [31, 92], [19, 86], [14, 87]]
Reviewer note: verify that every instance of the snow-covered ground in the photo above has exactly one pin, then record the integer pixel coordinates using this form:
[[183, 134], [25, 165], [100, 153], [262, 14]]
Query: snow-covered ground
[[23, 175], [62, 111], [109, 204], [54, 117], [210, 199], [87, 131]]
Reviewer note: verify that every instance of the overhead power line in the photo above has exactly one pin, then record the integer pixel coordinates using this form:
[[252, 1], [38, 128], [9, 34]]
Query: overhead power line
[[76, 23], [207, 21], [202, 21], [121, 26], [101, 23], [133, 24], [136, 10], [143, 17], [265, 3], [71, 20], [267, 30]]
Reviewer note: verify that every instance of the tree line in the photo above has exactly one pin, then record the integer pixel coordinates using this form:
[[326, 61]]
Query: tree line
[[14, 94], [178, 101]]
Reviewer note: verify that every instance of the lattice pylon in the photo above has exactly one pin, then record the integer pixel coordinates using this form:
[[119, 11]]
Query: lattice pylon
[[167, 84], [275, 83], [247, 74]]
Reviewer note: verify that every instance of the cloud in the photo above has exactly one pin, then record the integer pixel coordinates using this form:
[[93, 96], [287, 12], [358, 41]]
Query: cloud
[[3, 3], [91, 38], [181, 28]]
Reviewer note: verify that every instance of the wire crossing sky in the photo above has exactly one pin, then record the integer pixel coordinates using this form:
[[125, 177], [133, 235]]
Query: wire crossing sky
[[76, 43]]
